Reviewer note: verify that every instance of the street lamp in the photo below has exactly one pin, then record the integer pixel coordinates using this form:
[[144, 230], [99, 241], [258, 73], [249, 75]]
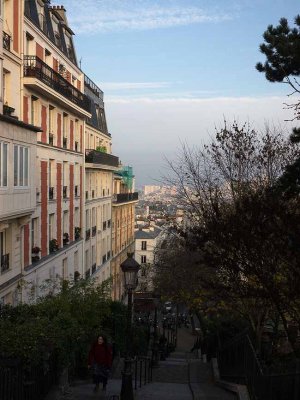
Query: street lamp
[[155, 336], [130, 268]]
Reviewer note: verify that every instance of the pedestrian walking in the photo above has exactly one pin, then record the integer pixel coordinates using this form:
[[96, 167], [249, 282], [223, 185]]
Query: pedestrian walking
[[100, 361]]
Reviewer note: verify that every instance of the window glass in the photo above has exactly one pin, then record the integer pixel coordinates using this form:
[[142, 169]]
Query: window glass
[[16, 162]]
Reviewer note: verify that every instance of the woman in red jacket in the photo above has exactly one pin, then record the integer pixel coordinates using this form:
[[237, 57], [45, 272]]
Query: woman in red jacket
[[100, 360]]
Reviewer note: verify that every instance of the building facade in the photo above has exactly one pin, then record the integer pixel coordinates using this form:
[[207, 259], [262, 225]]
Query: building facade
[[123, 217], [100, 165], [60, 186], [146, 240]]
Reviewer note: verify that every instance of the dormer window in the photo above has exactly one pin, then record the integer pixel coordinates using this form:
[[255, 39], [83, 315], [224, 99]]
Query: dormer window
[[41, 14], [55, 23]]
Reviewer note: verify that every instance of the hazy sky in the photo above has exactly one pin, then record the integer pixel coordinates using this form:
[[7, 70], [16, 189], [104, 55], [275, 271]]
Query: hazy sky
[[171, 69]]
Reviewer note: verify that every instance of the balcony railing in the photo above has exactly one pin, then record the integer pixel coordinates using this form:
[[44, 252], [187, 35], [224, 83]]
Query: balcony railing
[[34, 67], [94, 230], [51, 139], [51, 193], [6, 41], [94, 267], [4, 262], [87, 234], [93, 87], [125, 197], [97, 157], [65, 192]]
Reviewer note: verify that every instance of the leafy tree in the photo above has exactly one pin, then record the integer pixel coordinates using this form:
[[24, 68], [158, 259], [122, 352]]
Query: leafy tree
[[282, 51]]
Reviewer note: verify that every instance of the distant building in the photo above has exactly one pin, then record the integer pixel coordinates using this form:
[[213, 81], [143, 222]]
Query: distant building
[[146, 239], [147, 189]]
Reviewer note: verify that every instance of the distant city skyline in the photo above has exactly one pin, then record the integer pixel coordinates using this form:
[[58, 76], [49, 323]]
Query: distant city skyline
[[171, 70]]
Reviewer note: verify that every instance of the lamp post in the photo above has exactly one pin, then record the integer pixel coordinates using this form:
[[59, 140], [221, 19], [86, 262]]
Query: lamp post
[[155, 353], [130, 268]]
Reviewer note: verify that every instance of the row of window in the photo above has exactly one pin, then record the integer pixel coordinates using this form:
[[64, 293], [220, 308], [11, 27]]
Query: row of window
[[21, 165]]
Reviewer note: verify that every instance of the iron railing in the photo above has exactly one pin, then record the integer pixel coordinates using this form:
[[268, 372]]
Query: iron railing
[[35, 67], [238, 363], [97, 157], [6, 41], [93, 87], [4, 262], [94, 267], [51, 193], [125, 197], [142, 371], [19, 383]]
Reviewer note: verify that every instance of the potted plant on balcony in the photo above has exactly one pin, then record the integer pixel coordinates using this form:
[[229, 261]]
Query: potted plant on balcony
[[53, 245], [77, 232], [35, 254], [101, 149], [65, 239]]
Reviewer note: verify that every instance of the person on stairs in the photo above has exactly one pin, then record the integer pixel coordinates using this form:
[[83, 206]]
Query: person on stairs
[[100, 361]]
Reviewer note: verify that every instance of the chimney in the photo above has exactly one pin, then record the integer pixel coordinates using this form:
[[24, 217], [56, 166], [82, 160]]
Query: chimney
[[61, 11]]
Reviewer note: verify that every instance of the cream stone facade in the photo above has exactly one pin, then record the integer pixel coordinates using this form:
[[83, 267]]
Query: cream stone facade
[[100, 165], [59, 182], [123, 217]]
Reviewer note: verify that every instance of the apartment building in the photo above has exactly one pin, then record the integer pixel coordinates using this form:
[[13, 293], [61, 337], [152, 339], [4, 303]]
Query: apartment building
[[100, 166], [123, 217], [18, 141], [60, 185]]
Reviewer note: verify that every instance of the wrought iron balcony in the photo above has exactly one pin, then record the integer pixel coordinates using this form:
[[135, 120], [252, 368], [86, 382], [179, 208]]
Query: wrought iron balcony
[[51, 193], [125, 197], [97, 157], [87, 234], [6, 41], [34, 67], [94, 267], [94, 230], [51, 139], [4, 262]]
